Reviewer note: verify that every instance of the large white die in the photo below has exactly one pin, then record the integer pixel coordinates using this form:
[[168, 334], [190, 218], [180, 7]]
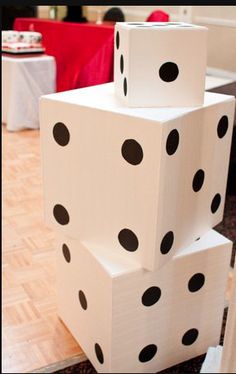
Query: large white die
[[127, 319], [142, 182], [160, 64]]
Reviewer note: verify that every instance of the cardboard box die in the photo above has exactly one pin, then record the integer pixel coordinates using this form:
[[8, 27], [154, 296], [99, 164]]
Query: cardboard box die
[[160, 64], [127, 319], [144, 182]]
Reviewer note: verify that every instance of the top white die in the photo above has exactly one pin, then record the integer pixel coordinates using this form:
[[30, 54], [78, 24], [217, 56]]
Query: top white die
[[160, 64]]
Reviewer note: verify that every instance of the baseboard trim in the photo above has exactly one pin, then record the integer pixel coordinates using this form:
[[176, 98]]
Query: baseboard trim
[[62, 364]]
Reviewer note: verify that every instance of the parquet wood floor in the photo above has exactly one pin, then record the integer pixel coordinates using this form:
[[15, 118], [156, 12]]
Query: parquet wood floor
[[33, 335]]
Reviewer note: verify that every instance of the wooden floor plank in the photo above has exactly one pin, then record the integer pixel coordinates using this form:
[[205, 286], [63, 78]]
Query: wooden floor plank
[[33, 335]]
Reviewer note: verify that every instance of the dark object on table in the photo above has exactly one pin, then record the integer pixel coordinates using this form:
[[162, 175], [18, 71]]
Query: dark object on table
[[74, 14], [9, 13], [114, 15]]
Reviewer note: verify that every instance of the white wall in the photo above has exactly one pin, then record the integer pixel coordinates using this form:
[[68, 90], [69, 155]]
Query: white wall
[[43, 11]]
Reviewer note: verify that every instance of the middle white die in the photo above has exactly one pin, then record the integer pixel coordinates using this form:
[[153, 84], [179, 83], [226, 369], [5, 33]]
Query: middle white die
[[160, 64], [144, 182]]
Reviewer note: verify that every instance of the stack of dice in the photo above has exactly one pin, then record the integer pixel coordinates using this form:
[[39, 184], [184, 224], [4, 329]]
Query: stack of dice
[[135, 176]]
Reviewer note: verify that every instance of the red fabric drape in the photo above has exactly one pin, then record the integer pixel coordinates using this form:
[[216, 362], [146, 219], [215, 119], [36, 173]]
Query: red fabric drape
[[83, 52]]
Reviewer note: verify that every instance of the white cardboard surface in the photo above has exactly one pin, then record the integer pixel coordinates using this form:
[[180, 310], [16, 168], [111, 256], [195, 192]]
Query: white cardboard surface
[[117, 320], [145, 47], [212, 361], [104, 194]]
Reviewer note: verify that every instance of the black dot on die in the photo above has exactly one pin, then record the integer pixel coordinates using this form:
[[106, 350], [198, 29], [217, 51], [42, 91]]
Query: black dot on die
[[168, 72], [198, 180], [215, 203], [222, 126], [61, 134], [190, 337], [160, 25], [196, 282], [66, 253], [172, 142], [132, 151], [128, 240], [125, 88], [167, 242], [61, 215], [135, 23], [121, 64], [83, 300], [147, 353], [99, 353], [151, 296], [117, 39]]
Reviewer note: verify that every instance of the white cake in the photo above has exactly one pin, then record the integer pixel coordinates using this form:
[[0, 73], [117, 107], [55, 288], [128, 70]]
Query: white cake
[[22, 42]]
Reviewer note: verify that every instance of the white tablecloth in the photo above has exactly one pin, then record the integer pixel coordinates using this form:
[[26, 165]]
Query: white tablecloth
[[24, 80]]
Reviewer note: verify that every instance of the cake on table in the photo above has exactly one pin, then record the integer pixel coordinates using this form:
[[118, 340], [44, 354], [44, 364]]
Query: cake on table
[[16, 42]]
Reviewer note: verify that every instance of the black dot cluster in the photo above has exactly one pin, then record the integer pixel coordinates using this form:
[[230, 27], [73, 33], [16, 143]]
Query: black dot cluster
[[150, 297], [132, 152], [168, 71], [159, 24], [122, 64]]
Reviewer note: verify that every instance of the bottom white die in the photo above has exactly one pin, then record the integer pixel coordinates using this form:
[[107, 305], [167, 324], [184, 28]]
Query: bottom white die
[[127, 319]]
